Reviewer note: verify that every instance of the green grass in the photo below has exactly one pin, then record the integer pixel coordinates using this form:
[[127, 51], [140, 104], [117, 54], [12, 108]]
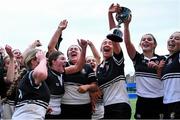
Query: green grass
[[133, 107]]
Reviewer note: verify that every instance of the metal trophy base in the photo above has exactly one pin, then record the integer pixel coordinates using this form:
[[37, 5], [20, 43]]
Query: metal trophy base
[[114, 38], [115, 35]]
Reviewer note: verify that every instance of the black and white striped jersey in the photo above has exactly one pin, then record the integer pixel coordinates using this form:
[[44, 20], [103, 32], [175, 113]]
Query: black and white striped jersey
[[55, 82], [33, 99], [171, 78], [111, 79], [56, 86], [148, 84], [28, 90], [72, 83]]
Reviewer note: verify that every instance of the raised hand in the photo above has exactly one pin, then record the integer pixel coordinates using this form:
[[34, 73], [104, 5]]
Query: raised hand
[[82, 43], [40, 55], [63, 24], [36, 43], [9, 51], [114, 8], [126, 22], [89, 43]]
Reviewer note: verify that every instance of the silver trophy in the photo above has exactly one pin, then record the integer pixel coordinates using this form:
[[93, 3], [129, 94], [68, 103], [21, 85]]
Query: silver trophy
[[115, 33]]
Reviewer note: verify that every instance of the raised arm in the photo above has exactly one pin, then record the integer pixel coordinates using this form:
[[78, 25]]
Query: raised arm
[[94, 51], [80, 64], [40, 71], [33, 45], [114, 9], [127, 39], [11, 68], [55, 38]]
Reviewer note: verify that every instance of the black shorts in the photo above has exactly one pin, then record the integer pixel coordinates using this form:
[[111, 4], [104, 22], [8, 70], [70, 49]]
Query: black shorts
[[49, 116], [172, 110], [117, 111], [83, 111], [149, 108]]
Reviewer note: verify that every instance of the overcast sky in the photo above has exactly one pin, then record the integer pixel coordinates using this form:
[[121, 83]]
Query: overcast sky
[[23, 21]]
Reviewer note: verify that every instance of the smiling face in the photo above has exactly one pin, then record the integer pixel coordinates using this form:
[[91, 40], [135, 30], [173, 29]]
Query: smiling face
[[73, 53], [107, 48], [92, 61], [173, 43], [59, 63], [18, 55], [148, 43], [7, 63]]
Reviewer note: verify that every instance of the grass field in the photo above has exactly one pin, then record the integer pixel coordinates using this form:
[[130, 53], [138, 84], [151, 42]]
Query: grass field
[[133, 107]]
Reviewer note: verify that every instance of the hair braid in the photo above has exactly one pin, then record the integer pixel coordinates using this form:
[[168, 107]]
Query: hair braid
[[13, 87]]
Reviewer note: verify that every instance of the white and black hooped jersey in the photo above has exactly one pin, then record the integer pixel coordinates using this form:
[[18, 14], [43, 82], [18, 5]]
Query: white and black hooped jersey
[[56, 86], [72, 83], [111, 79], [32, 99], [148, 84], [171, 79]]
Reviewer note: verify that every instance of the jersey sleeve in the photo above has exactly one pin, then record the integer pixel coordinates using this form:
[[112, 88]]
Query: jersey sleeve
[[32, 81], [91, 75]]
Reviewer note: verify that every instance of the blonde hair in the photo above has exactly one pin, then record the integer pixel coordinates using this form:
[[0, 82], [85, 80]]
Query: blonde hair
[[29, 56]]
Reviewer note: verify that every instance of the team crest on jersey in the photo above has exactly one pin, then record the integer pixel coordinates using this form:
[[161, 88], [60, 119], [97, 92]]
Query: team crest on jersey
[[169, 61], [83, 71], [144, 61], [57, 84]]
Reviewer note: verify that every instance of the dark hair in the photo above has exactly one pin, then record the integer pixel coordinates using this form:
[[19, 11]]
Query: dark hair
[[152, 37], [53, 56]]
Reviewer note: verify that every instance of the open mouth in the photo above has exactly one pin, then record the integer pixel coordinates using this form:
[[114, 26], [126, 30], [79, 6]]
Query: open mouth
[[73, 54], [18, 57], [106, 49], [92, 65], [145, 45], [171, 45]]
